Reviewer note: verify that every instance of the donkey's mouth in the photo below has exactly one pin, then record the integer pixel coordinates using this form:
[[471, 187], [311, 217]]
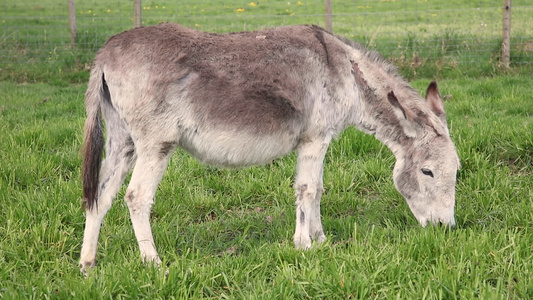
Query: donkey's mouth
[[448, 223]]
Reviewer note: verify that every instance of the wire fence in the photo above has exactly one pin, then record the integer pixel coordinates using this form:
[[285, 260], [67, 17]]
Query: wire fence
[[412, 33]]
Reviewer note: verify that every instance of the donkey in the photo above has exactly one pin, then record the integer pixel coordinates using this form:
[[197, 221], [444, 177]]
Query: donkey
[[242, 99]]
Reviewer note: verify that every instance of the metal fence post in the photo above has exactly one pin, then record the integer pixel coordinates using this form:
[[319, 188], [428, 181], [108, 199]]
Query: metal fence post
[[506, 33]]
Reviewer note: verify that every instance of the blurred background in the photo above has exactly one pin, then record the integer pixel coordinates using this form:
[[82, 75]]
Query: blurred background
[[56, 40]]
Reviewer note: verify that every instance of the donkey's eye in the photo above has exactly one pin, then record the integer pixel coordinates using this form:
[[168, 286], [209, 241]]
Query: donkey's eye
[[427, 172]]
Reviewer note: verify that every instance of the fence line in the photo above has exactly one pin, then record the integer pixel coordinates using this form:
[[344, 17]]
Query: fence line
[[409, 32], [506, 24]]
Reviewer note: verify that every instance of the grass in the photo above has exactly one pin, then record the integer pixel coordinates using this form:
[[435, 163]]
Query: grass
[[228, 233]]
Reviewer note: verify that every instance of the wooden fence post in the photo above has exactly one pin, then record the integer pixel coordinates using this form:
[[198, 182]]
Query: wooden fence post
[[506, 33], [137, 8], [72, 22], [329, 24]]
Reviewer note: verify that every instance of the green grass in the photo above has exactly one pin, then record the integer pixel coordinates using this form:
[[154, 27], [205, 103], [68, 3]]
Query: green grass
[[228, 233]]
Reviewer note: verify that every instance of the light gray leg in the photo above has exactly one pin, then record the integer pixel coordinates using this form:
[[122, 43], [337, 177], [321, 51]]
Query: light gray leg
[[309, 188], [147, 174], [114, 169]]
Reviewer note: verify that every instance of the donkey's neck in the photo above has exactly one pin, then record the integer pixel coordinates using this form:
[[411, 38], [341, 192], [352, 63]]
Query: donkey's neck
[[377, 109], [389, 132]]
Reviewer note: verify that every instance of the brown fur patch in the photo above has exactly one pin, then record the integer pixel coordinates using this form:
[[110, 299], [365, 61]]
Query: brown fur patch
[[167, 147]]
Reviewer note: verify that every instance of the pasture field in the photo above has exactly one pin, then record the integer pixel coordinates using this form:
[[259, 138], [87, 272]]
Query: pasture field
[[228, 233]]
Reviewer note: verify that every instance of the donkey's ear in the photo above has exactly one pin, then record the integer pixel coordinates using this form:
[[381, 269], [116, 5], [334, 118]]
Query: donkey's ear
[[404, 115], [407, 114], [435, 100]]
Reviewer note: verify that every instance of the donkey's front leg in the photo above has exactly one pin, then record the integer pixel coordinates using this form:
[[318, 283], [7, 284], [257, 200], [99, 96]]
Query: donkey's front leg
[[309, 188]]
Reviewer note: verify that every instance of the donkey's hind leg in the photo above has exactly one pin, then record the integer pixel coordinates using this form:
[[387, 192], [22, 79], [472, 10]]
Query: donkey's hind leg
[[309, 187], [120, 156], [149, 169]]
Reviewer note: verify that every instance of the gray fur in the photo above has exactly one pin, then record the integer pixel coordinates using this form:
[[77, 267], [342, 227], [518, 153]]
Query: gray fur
[[246, 98]]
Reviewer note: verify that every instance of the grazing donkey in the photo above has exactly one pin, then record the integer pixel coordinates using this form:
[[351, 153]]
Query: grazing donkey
[[241, 99]]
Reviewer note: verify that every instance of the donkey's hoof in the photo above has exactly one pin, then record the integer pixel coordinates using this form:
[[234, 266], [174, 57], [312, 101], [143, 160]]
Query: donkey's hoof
[[153, 259], [85, 265], [320, 238], [164, 268], [302, 243]]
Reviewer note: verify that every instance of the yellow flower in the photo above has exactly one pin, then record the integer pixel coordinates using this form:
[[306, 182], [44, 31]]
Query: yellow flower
[[300, 3], [253, 4], [108, 10], [197, 25], [238, 10]]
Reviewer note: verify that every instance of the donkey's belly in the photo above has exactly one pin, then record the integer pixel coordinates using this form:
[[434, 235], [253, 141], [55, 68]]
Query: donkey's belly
[[237, 149]]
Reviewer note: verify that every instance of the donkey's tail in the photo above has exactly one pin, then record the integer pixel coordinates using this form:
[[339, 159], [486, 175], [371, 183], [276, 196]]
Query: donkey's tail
[[93, 142]]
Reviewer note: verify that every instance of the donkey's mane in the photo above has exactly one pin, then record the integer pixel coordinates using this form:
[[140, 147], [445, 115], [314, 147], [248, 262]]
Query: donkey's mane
[[376, 58], [420, 108]]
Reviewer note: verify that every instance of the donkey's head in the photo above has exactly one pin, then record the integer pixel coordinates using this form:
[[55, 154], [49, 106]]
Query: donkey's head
[[426, 167]]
